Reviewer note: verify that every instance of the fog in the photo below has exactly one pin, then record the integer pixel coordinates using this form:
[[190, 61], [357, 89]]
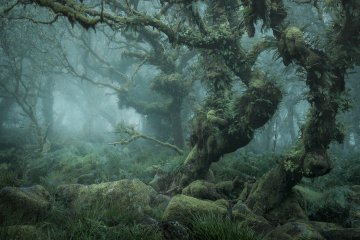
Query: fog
[[122, 117]]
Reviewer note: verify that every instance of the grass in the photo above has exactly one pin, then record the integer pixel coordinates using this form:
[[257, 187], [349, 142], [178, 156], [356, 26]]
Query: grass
[[213, 227]]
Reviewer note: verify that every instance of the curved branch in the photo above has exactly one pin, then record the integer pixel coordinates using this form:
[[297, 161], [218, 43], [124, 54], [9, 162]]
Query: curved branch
[[134, 135]]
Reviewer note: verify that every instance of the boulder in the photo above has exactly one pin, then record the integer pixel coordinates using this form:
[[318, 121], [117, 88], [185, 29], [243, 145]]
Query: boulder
[[202, 190], [111, 202], [295, 231], [181, 208], [256, 222], [333, 231], [23, 204]]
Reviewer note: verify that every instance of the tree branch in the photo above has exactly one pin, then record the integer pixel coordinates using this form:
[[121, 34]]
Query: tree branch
[[134, 135]]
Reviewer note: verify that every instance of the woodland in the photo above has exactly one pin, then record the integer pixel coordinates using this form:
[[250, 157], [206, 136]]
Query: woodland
[[180, 119]]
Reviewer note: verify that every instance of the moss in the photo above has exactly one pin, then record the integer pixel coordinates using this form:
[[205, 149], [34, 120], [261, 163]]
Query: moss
[[27, 204], [225, 187], [112, 201], [181, 208], [171, 85], [201, 189]]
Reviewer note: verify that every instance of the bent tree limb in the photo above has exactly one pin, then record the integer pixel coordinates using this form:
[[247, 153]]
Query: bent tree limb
[[134, 135]]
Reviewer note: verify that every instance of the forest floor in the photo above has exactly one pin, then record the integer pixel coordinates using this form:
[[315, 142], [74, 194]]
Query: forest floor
[[85, 190]]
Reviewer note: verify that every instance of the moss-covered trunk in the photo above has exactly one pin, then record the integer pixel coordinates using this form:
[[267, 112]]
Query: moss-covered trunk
[[218, 132]]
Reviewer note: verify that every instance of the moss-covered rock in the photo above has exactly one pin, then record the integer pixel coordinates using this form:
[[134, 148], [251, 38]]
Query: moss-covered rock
[[112, 202], [23, 204], [201, 189], [295, 231], [256, 222], [225, 187], [333, 231], [181, 208], [22, 232]]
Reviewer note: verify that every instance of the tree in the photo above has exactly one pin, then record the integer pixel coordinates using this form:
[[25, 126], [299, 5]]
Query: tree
[[227, 120], [30, 91]]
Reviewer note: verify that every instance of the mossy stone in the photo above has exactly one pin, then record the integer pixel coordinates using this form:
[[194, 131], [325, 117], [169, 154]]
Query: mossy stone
[[110, 201], [181, 208], [23, 204], [201, 189]]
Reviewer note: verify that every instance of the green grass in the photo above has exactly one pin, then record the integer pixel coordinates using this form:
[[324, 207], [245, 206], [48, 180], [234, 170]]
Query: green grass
[[213, 227]]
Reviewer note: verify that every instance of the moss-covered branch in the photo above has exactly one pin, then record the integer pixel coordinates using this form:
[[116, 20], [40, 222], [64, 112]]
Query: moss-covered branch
[[325, 79]]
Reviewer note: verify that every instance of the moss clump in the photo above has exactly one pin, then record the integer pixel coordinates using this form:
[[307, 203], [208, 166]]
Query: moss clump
[[171, 85], [294, 39]]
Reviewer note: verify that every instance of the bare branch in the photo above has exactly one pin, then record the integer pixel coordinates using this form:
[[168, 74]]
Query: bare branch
[[134, 135]]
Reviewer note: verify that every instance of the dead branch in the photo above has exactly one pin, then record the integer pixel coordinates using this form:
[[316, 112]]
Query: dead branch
[[134, 135]]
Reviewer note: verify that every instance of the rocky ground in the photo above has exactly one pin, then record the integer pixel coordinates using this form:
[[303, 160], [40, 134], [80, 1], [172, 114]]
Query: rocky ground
[[82, 194], [112, 203]]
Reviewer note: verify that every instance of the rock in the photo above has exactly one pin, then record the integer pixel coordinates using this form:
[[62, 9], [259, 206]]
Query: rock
[[257, 223], [112, 202], [24, 204], [294, 231], [173, 230], [182, 207], [225, 187], [161, 181], [202, 190], [333, 231], [22, 232]]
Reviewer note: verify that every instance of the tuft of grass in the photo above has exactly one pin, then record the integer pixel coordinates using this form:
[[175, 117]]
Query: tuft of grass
[[214, 227], [87, 229]]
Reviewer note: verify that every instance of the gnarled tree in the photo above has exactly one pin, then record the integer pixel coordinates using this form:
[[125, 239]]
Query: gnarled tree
[[227, 120]]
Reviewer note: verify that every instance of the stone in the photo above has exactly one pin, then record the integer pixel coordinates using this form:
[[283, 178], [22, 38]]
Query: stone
[[111, 202], [295, 231], [256, 222], [28, 204], [332, 231], [182, 207], [202, 190]]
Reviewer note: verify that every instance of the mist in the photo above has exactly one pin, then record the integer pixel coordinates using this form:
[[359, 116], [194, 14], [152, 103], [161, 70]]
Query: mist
[[164, 119]]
